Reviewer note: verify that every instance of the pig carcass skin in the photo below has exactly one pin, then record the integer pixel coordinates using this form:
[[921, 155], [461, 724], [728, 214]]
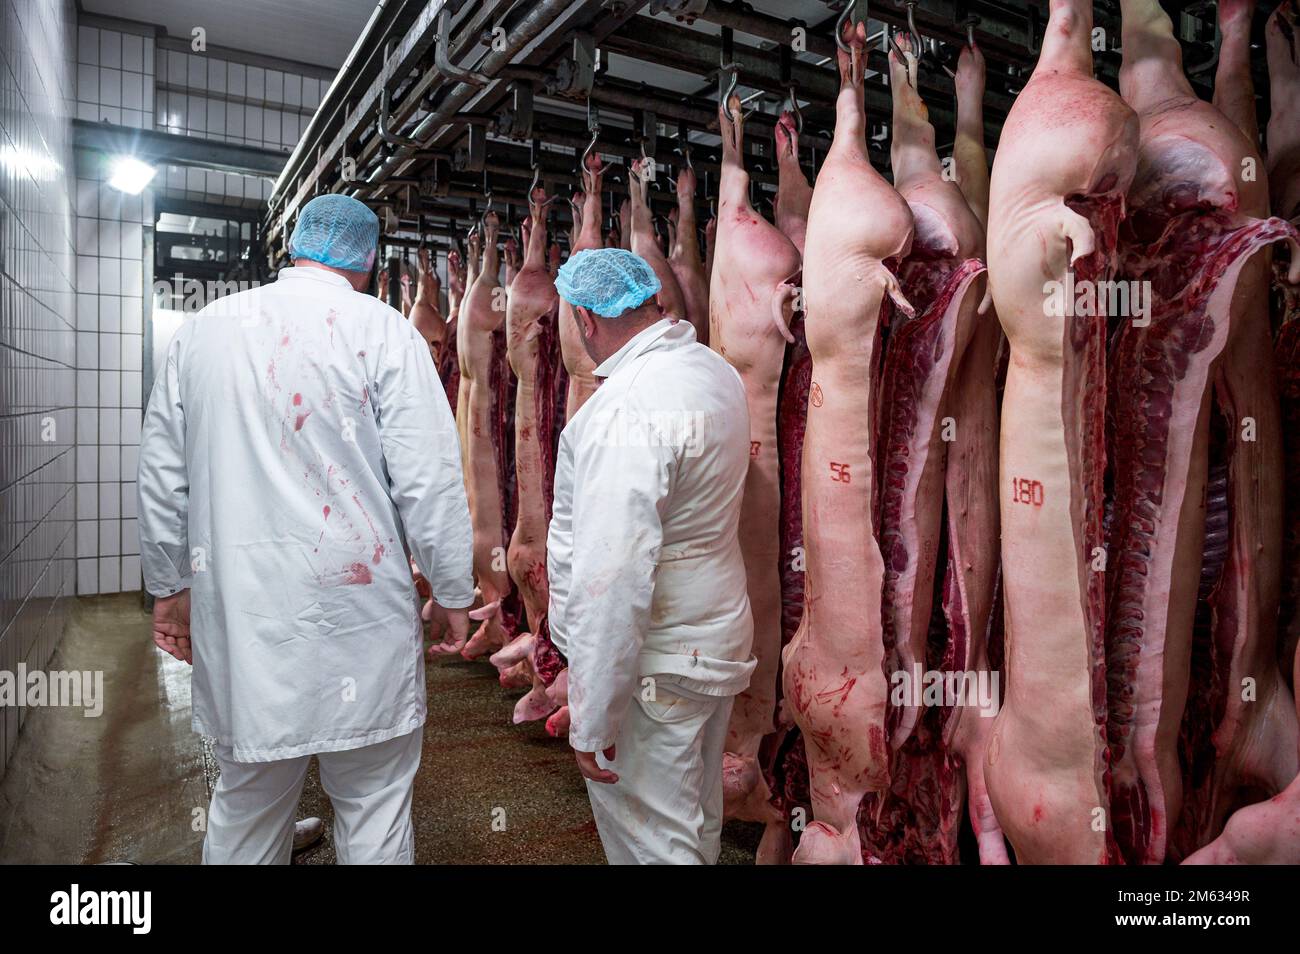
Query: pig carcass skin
[[532, 310], [1067, 155], [684, 256], [834, 681], [449, 362], [474, 250], [750, 305], [624, 224], [425, 315], [1266, 833], [1188, 239], [407, 298], [710, 240], [484, 371], [645, 241], [793, 193], [578, 364]]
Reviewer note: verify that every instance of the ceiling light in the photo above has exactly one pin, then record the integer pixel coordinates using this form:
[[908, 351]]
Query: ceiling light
[[130, 175]]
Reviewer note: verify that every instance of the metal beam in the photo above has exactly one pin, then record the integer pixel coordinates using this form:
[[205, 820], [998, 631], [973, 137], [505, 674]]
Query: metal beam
[[165, 148]]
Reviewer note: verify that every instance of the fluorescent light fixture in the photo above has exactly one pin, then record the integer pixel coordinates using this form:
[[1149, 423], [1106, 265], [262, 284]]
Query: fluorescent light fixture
[[128, 174]]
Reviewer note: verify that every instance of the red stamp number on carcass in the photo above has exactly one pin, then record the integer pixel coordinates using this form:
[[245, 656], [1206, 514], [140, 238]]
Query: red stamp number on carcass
[[1026, 491]]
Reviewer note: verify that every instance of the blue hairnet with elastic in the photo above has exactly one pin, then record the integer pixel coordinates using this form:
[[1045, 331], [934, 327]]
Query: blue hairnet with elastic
[[338, 231], [609, 281]]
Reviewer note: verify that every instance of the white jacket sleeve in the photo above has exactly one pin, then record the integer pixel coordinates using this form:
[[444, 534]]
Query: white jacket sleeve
[[559, 547], [622, 487], [163, 483], [422, 454]]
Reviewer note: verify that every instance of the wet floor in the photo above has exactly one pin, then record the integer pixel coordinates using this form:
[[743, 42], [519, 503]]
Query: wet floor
[[133, 784]]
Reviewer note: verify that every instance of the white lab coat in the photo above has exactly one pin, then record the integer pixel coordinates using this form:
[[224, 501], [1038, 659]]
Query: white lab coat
[[644, 564], [297, 443]]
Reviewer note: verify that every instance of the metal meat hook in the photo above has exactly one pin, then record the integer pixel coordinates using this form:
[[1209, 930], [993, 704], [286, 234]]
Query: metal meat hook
[[854, 11], [794, 108], [917, 42], [734, 70], [582, 162]]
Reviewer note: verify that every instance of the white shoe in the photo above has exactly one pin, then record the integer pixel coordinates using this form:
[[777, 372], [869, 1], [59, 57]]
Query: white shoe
[[307, 832]]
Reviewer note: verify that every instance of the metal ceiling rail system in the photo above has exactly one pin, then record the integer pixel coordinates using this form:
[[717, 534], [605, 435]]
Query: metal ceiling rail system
[[443, 102]]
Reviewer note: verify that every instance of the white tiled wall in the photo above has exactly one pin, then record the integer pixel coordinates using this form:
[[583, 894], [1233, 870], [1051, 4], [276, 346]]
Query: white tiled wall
[[129, 79], [113, 66], [115, 77], [37, 337], [213, 98], [110, 348]]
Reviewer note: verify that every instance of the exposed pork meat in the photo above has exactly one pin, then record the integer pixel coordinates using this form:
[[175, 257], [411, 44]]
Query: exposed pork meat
[[1253, 754], [1283, 40], [448, 360], [532, 310], [971, 487], [942, 277], [1063, 167], [1184, 248]]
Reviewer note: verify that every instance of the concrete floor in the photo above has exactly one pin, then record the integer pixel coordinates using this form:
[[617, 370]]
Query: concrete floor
[[128, 786]]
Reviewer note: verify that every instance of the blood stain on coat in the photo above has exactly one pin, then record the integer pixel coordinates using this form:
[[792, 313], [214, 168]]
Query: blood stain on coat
[[358, 574]]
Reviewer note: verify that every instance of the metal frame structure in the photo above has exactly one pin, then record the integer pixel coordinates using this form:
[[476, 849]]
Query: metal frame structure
[[446, 105]]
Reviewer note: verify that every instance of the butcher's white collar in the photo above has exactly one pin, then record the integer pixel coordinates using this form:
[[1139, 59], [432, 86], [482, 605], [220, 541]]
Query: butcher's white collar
[[670, 332], [314, 274]]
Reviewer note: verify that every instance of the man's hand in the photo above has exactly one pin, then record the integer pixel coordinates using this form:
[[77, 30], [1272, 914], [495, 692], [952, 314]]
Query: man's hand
[[589, 768], [171, 625], [456, 623]]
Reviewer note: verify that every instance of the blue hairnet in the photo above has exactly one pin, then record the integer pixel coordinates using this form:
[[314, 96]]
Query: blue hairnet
[[609, 281], [338, 231]]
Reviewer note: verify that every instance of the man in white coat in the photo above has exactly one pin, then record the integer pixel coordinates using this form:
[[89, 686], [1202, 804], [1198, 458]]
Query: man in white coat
[[297, 445], [648, 596]]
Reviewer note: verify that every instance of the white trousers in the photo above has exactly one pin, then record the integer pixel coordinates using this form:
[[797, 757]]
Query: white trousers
[[251, 817], [666, 807]]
